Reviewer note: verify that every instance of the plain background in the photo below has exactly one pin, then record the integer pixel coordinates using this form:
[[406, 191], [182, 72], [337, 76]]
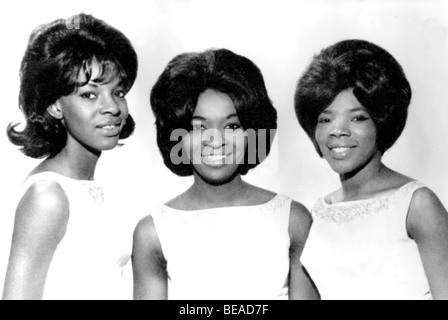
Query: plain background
[[280, 37]]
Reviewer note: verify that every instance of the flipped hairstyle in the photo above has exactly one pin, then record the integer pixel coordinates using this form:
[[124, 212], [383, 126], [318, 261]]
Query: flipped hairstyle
[[175, 96], [378, 82], [56, 55]]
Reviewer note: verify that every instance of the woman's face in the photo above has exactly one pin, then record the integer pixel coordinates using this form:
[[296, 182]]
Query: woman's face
[[346, 134], [216, 144], [95, 114]]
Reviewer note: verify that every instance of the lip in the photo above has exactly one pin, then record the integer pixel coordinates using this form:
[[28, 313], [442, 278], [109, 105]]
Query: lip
[[215, 160], [110, 128], [341, 152]]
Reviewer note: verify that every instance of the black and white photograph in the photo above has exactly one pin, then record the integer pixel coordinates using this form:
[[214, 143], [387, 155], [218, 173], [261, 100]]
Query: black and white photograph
[[224, 150]]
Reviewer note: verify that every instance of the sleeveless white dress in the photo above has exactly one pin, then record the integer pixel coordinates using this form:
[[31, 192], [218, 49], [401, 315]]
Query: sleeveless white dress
[[361, 250], [89, 262], [232, 253]]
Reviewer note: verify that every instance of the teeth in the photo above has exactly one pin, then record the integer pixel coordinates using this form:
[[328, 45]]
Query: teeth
[[109, 127], [340, 150], [214, 158]]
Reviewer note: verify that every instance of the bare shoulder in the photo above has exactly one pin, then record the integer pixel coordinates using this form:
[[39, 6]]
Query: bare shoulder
[[426, 213], [426, 202], [43, 211], [300, 213], [145, 234], [145, 229], [300, 222]]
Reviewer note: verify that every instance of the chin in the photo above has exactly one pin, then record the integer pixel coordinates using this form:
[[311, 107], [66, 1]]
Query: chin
[[217, 178], [346, 169], [108, 145]]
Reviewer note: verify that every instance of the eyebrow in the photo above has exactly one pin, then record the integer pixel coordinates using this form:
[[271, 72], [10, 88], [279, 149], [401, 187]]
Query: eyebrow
[[234, 115], [326, 111], [358, 109]]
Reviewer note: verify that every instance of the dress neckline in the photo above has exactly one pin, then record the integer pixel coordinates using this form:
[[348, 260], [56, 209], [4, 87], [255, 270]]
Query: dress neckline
[[343, 212], [277, 198], [386, 196], [51, 173]]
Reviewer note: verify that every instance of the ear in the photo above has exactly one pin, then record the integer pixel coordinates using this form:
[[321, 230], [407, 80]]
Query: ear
[[55, 110]]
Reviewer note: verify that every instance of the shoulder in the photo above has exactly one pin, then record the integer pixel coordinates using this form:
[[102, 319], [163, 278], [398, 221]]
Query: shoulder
[[145, 233], [43, 211], [300, 213], [145, 228], [424, 198], [300, 222], [426, 213], [146, 242], [45, 193]]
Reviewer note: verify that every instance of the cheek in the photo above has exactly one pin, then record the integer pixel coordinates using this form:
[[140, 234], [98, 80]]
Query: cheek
[[236, 143], [124, 110], [369, 137], [192, 145], [75, 120], [320, 136]]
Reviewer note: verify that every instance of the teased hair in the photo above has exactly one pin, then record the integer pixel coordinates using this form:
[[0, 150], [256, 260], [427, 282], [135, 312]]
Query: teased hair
[[175, 95], [378, 82], [57, 54]]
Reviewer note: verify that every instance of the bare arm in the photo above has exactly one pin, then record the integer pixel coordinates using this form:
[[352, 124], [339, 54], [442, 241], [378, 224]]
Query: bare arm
[[40, 224], [150, 274], [300, 285], [428, 225]]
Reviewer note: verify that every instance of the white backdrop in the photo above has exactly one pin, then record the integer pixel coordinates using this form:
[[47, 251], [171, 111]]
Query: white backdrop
[[280, 37]]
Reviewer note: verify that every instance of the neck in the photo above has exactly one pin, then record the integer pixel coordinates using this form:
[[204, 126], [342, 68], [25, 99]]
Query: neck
[[75, 163], [218, 195], [364, 180]]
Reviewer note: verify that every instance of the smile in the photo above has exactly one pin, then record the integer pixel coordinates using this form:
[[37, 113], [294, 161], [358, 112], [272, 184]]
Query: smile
[[110, 129], [341, 152], [214, 160]]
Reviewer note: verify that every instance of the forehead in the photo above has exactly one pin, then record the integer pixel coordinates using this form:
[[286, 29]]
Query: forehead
[[214, 105], [345, 102], [100, 73]]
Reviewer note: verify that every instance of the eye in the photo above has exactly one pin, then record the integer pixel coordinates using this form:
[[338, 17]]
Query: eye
[[323, 120], [121, 94], [88, 96], [360, 118], [197, 127], [234, 126]]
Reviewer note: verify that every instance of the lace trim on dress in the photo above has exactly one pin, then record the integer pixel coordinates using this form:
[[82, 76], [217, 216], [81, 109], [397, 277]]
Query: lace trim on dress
[[95, 191], [345, 212]]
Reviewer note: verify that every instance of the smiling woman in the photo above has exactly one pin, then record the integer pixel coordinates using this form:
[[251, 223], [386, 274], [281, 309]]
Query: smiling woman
[[382, 235], [74, 82], [97, 104], [223, 238]]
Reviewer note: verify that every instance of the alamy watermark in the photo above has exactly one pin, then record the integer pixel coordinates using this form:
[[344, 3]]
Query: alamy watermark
[[73, 23], [257, 145]]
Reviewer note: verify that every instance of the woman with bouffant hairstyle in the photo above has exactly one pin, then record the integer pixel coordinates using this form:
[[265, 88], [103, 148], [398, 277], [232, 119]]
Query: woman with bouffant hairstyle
[[223, 238], [175, 95], [74, 79], [382, 235]]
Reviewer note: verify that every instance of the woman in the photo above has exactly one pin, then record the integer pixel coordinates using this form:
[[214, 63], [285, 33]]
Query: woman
[[382, 235], [74, 82], [223, 238]]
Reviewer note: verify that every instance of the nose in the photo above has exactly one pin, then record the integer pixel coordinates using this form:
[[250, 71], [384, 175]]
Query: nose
[[109, 105], [340, 129], [213, 138]]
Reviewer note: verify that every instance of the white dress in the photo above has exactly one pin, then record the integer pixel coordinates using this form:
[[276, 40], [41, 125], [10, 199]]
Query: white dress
[[232, 253], [361, 250], [89, 261]]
